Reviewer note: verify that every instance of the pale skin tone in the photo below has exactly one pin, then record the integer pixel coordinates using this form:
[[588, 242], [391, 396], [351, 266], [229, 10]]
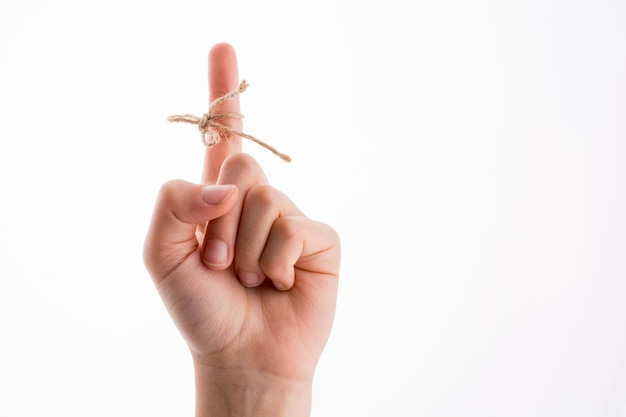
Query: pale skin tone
[[248, 279]]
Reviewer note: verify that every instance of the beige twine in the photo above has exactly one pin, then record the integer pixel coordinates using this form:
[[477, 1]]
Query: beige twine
[[212, 132]]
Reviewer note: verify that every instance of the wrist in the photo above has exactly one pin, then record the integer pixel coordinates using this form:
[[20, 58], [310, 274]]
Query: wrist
[[227, 391]]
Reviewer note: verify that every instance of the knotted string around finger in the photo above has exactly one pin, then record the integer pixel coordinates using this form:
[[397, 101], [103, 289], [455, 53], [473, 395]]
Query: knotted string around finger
[[213, 132]]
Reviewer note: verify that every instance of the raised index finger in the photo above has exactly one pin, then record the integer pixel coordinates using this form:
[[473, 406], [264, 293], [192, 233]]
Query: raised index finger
[[223, 78]]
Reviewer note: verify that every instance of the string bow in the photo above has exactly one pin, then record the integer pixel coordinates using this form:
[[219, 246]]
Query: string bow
[[213, 132]]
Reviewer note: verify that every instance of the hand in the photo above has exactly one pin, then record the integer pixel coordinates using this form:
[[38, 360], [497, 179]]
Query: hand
[[250, 281]]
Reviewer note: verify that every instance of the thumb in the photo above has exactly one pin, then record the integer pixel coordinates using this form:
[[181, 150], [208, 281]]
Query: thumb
[[181, 206]]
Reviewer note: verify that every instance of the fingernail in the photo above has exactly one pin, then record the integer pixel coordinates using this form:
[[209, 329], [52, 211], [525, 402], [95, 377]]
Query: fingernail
[[248, 279], [216, 194], [215, 252]]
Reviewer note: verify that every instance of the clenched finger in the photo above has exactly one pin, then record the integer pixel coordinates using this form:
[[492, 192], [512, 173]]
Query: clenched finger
[[180, 207]]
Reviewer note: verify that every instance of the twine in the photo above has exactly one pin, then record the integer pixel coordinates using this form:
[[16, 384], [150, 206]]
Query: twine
[[213, 132]]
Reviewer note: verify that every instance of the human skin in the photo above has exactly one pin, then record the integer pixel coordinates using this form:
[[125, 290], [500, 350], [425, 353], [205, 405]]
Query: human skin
[[247, 278]]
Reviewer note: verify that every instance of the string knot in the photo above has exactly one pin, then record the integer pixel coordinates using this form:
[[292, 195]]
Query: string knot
[[203, 123], [212, 131], [210, 136]]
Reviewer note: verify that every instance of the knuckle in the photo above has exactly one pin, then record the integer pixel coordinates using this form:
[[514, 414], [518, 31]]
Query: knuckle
[[331, 234], [262, 197], [169, 190], [287, 228], [241, 162]]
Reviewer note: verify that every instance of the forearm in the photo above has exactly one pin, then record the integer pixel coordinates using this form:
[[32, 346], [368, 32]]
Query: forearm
[[229, 392]]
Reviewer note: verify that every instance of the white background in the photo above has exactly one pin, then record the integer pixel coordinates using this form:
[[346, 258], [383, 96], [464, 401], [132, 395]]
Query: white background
[[470, 154]]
